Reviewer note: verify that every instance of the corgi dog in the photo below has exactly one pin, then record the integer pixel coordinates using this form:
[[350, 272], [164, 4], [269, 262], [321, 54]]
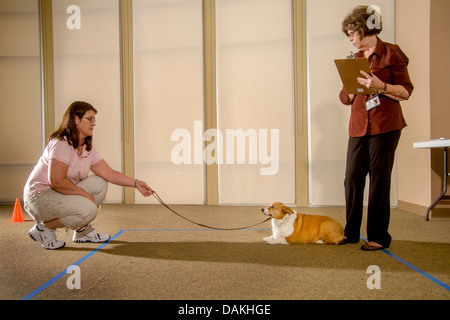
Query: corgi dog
[[288, 226]]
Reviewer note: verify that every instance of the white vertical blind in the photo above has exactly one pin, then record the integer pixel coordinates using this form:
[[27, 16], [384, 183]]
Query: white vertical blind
[[169, 98], [255, 101], [20, 95], [86, 40]]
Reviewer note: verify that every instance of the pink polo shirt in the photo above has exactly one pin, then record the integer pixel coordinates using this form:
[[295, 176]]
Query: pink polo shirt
[[79, 165]]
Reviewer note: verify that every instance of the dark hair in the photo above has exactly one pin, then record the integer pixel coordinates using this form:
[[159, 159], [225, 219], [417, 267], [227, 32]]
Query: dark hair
[[68, 129], [360, 19]]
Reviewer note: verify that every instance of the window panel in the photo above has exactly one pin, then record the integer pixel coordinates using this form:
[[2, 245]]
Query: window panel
[[86, 40], [20, 93], [255, 101], [168, 87]]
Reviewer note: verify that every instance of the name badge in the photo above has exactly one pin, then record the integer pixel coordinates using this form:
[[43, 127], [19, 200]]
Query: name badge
[[373, 102]]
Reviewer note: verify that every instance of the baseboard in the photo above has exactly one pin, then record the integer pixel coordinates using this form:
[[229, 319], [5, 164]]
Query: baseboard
[[412, 207], [441, 211]]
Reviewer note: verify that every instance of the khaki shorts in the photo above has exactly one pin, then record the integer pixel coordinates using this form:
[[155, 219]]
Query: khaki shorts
[[73, 211]]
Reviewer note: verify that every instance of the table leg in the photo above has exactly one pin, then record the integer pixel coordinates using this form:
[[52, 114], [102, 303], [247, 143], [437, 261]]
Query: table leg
[[442, 196]]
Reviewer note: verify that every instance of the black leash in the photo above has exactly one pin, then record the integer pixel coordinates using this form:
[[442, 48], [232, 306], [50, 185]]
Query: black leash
[[199, 224]]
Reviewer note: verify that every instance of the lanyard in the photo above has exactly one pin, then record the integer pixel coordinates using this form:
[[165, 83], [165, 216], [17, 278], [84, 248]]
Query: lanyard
[[371, 66], [373, 61]]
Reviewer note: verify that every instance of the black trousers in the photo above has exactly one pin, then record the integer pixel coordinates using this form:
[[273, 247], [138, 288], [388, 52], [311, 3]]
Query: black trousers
[[373, 155]]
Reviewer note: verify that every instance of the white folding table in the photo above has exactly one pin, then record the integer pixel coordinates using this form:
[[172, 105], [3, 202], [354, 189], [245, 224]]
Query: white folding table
[[433, 144]]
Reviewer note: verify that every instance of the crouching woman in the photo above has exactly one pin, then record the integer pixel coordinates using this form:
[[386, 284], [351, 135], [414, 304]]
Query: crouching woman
[[60, 193]]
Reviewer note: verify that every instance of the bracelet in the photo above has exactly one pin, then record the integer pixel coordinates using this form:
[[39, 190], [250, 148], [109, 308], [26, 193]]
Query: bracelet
[[135, 182], [384, 89]]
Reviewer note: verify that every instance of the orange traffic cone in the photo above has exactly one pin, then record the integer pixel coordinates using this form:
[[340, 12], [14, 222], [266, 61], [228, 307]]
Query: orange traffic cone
[[17, 213]]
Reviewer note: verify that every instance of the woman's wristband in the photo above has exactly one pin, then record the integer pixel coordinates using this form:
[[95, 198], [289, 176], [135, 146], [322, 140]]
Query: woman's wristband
[[135, 183], [384, 89]]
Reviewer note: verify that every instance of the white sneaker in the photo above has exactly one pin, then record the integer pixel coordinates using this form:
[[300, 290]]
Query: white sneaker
[[89, 234], [46, 236]]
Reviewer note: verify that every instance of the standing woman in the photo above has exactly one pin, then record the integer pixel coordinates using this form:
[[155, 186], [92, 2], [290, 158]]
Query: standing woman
[[375, 126], [60, 193]]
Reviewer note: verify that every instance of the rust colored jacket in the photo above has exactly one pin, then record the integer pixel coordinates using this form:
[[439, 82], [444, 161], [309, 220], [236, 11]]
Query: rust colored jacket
[[390, 64]]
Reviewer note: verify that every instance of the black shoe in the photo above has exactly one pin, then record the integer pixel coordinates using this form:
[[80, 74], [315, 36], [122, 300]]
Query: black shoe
[[346, 241]]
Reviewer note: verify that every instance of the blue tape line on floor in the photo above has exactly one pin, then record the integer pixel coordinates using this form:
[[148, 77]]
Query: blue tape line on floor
[[409, 265], [90, 254], [61, 274]]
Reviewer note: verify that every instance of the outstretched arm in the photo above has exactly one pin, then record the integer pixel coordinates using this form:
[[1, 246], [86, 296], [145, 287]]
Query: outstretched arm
[[102, 169]]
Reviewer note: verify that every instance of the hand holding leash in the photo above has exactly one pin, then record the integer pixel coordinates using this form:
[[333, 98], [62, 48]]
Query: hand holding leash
[[143, 188]]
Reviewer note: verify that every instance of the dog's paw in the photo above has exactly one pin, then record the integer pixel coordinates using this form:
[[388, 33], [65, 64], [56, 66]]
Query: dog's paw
[[272, 240]]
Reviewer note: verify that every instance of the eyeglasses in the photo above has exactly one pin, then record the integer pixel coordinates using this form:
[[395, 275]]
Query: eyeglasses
[[91, 119], [352, 34]]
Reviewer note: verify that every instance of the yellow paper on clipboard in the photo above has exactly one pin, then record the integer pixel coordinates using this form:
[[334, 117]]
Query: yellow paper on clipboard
[[349, 70]]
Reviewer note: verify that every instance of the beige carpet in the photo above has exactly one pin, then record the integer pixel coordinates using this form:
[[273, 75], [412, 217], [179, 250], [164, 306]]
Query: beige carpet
[[157, 255]]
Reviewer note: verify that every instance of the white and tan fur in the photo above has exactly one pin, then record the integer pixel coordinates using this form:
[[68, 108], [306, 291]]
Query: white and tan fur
[[288, 226]]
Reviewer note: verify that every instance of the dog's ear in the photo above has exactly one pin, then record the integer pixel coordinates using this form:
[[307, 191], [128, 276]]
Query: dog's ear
[[287, 210]]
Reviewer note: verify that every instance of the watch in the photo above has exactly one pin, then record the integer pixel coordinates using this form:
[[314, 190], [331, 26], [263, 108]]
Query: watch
[[384, 89]]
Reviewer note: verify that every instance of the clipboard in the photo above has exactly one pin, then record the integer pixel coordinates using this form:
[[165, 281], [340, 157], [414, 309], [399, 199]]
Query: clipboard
[[349, 70]]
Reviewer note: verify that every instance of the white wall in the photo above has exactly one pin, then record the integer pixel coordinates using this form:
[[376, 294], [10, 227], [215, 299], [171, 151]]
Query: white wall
[[328, 118]]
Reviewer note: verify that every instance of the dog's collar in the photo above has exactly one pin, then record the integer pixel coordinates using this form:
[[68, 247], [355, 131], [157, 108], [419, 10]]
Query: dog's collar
[[286, 217]]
